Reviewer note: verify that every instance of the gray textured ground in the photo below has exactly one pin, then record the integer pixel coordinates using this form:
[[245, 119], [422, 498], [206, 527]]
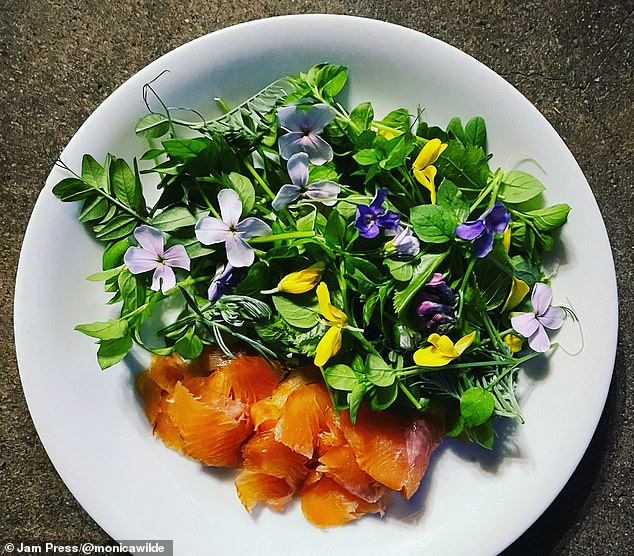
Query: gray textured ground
[[59, 59]]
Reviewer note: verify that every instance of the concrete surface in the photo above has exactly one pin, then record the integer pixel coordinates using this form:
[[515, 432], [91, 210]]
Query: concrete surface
[[60, 59]]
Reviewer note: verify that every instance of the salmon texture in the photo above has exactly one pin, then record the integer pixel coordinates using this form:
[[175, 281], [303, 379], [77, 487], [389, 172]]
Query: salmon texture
[[285, 435]]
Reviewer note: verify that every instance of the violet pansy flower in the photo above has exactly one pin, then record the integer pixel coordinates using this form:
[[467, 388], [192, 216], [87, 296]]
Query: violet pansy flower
[[323, 191], [152, 255], [404, 241], [230, 230], [436, 303], [373, 216], [226, 278], [533, 325], [481, 231], [304, 127]]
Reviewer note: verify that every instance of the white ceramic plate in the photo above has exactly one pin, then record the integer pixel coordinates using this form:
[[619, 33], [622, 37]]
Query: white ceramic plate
[[91, 423]]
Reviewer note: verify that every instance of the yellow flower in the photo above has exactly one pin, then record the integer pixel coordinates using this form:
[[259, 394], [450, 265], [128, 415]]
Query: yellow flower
[[519, 289], [506, 238], [387, 133], [424, 172], [514, 342], [336, 319], [302, 281], [442, 350]]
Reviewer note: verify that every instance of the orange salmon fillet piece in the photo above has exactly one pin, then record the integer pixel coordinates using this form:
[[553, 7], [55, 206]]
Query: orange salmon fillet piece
[[253, 487]]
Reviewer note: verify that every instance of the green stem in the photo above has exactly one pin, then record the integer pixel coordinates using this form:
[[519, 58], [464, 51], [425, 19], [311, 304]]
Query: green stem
[[207, 201], [463, 285], [259, 179], [409, 395], [281, 237]]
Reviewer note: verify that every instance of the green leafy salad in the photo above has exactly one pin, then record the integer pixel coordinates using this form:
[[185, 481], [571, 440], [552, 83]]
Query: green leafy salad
[[382, 249]]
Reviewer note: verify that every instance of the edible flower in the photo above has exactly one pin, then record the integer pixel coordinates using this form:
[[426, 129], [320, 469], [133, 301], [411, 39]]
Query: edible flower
[[404, 242], [514, 342], [230, 230], [373, 216], [323, 191], [424, 172], [225, 278], [518, 292], [481, 231], [304, 127], [436, 303], [152, 255], [336, 319], [302, 281], [533, 325], [442, 350]]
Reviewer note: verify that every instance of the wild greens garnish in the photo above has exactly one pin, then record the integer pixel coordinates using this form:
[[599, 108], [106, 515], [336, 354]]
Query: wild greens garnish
[[385, 251]]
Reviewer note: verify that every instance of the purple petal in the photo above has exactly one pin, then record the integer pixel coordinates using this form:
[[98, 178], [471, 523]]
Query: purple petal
[[298, 169], [553, 318], [483, 244], [176, 256], [251, 227], [290, 144], [230, 206], [287, 194], [389, 220], [290, 118], [541, 297], [525, 323], [318, 150], [436, 280], [470, 230], [220, 282], [318, 117], [539, 341], [379, 199], [496, 218], [210, 230], [239, 252], [163, 279], [365, 221], [324, 191], [138, 260], [150, 239]]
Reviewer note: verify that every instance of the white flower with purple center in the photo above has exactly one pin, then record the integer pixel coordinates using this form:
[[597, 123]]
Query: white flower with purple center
[[404, 241], [304, 127], [152, 255], [230, 230], [533, 325], [323, 191]]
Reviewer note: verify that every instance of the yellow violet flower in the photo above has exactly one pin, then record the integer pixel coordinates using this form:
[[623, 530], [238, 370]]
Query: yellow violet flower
[[302, 281], [424, 172], [514, 342], [442, 350], [519, 289], [506, 238], [336, 319]]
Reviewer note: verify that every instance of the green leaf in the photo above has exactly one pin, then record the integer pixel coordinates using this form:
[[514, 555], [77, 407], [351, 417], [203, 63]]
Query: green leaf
[[475, 132], [476, 406], [455, 126], [126, 186], [118, 227], [454, 423], [331, 79], [518, 186], [399, 149], [108, 330], [132, 291], [294, 314], [112, 351], [466, 166], [185, 149], [340, 377], [189, 346], [93, 173], [433, 223], [173, 218], [245, 190], [306, 223], [152, 126], [354, 400], [94, 208], [426, 266], [335, 230], [494, 276], [366, 157], [361, 117], [451, 198], [195, 249], [398, 119], [72, 189], [255, 281], [549, 218], [483, 434], [400, 270], [113, 254], [380, 398], [378, 372], [105, 274]]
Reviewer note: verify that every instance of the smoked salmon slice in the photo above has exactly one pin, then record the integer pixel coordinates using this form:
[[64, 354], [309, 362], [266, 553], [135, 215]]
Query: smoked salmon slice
[[253, 487]]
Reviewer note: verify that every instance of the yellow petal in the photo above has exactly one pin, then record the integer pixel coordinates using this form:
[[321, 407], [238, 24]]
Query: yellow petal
[[464, 342], [431, 357], [388, 134], [519, 289], [329, 345], [302, 281], [514, 342], [444, 344], [426, 178], [327, 309], [506, 238], [429, 154]]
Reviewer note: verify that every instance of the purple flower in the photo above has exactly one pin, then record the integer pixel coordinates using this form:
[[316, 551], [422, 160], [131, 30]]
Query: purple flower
[[481, 231], [372, 217], [226, 278], [304, 127], [404, 242], [533, 325], [436, 303], [152, 255], [323, 191], [230, 230]]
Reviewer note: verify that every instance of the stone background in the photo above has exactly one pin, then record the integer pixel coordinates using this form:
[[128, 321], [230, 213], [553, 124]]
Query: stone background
[[59, 59]]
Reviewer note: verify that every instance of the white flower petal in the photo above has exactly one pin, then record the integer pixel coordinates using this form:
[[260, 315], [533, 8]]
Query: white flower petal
[[163, 278], [541, 297], [239, 252], [553, 318], [138, 260], [539, 340], [176, 256], [230, 206], [525, 323], [150, 239], [252, 227], [210, 230]]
